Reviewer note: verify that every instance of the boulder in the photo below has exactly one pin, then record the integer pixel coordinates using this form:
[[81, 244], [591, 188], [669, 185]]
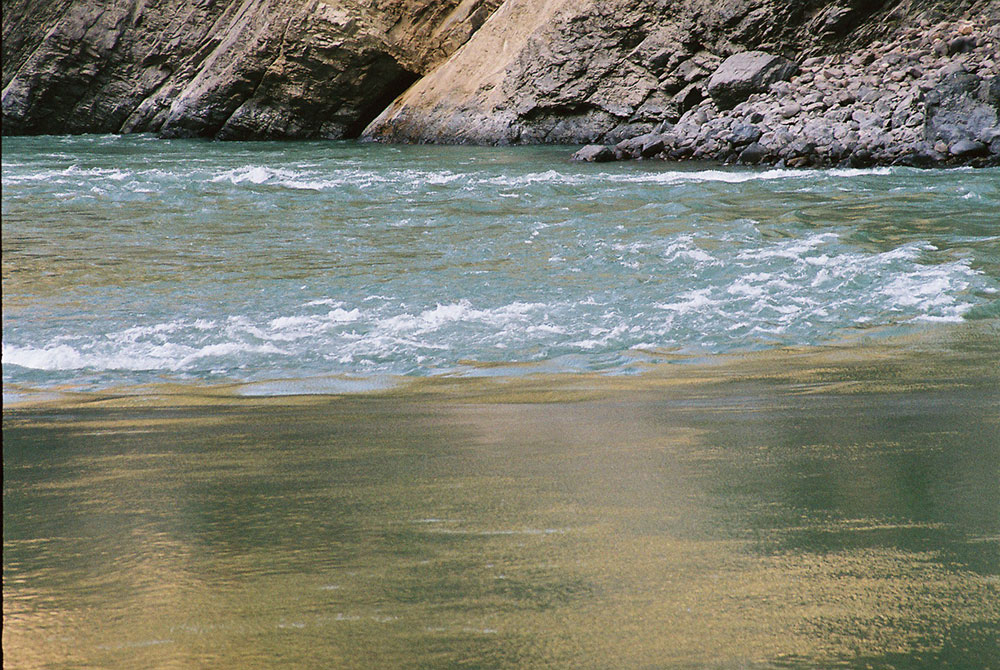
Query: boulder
[[595, 153], [629, 148], [685, 99], [968, 149], [643, 146], [652, 145], [744, 74], [962, 44], [753, 154], [744, 133], [961, 107]]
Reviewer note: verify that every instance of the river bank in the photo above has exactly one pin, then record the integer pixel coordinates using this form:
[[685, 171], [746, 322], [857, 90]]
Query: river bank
[[929, 97], [893, 82]]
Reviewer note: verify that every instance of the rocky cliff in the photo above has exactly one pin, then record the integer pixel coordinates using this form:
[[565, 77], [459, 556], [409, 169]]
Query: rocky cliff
[[581, 71], [828, 81], [222, 68]]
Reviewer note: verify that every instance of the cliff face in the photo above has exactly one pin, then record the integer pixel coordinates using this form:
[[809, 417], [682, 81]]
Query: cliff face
[[574, 70], [577, 71], [876, 72], [222, 68]]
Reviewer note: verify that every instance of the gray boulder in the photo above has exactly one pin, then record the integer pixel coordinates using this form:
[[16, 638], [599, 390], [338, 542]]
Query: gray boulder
[[643, 146], [968, 148], [652, 145], [744, 133], [744, 74], [961, 107], [595, 153], [753, 154]]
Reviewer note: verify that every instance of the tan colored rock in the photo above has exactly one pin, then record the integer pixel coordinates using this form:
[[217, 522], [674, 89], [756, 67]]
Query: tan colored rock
[[585, 71], [465, 100]]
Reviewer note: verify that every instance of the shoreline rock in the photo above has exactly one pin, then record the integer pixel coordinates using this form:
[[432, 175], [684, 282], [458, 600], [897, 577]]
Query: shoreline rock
[[769, 82], [606, 73], [931, 98]]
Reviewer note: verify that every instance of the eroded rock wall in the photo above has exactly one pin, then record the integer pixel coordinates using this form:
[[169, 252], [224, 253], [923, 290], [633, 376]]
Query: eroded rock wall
[[931, 97], [605, 70], [512, 71], [220, 68]]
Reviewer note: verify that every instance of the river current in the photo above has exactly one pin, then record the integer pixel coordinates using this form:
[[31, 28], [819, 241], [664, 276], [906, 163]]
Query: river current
[[337, 405], [129, 260]]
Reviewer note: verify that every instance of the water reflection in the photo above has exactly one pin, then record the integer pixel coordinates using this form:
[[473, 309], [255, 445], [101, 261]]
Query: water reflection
[[719, 517]]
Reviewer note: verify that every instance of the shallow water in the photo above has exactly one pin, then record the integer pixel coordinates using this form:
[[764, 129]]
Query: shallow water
[[810, 509], [129, 260]]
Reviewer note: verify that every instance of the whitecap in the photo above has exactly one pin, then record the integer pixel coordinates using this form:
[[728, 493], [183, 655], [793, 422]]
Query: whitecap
[[139, 357], [691, 300], [791, 249], [255, 174]]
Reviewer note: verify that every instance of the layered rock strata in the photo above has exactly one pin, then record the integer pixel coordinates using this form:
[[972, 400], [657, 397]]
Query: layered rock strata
[[229, 69], [574, 71]]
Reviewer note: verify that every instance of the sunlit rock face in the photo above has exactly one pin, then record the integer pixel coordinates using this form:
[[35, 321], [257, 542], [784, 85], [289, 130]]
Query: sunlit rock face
[[483, 71], [237, 69], [571, 71], [605, 71]]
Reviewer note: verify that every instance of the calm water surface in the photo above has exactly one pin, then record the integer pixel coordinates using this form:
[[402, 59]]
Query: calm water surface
[[779, 513], [630, 416]]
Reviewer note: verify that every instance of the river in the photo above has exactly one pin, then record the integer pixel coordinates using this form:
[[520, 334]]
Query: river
[[331, 404]]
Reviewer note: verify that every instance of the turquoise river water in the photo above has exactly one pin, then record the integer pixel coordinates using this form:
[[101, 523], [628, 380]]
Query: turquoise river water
[[350, 406], [129, 260]]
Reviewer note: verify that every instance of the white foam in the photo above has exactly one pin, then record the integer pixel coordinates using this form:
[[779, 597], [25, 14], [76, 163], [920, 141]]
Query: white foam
[[547, 177], [684, 247], [857, 172], [255, 174], [286, 322], [794, 249], [72, 172], [142, 357], [724, 176], [462, 311], [334, 316], [440, 178], [690, 301], [608, 336], [931, 288]]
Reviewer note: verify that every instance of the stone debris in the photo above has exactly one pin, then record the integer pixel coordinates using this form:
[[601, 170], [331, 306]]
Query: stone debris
[[746, 73], [931, 97]]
